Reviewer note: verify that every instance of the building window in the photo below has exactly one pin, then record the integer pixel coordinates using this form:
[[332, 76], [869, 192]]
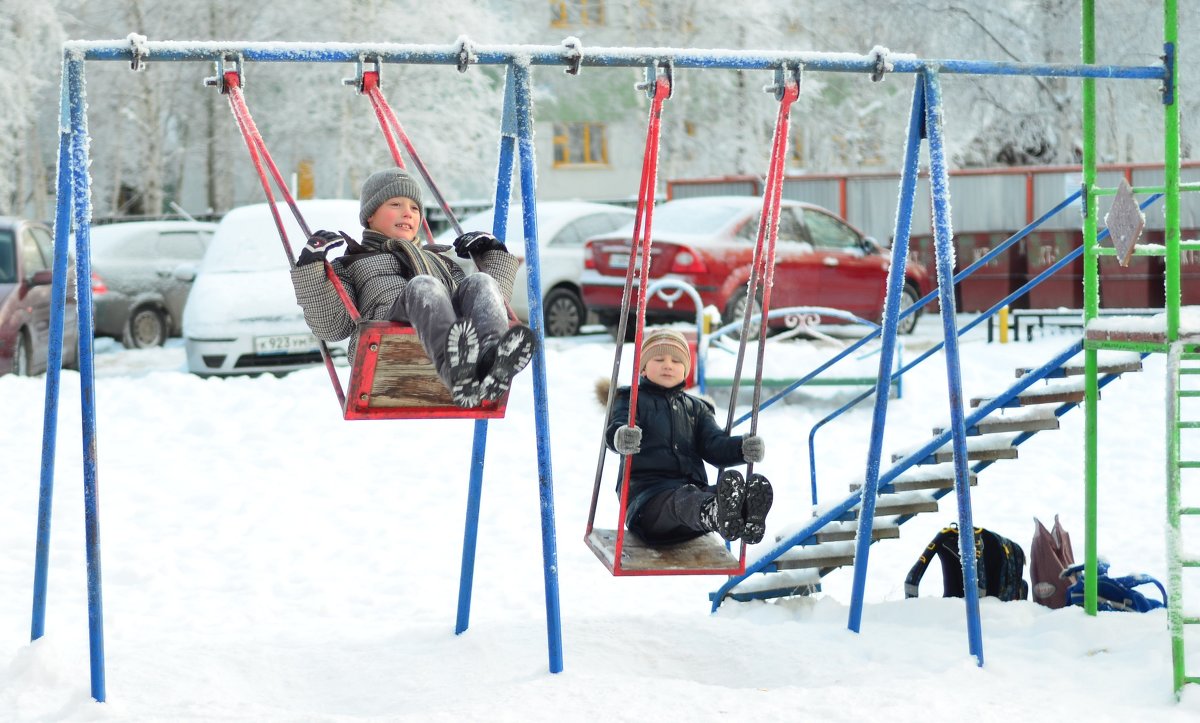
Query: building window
[[573, 13], [580, 144]]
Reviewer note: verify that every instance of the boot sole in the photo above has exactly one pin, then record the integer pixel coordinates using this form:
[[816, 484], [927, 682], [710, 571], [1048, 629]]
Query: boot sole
[[462, 351], [513, 353], [759, 496], [731, 495]]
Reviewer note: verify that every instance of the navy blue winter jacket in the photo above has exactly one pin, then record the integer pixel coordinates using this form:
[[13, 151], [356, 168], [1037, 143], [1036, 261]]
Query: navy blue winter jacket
[[679, 434]]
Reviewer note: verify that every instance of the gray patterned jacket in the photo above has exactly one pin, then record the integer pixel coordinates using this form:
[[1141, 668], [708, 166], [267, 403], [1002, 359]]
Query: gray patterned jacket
[[373, 282]]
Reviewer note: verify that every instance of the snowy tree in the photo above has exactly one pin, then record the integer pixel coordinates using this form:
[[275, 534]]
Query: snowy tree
[[30, 35]]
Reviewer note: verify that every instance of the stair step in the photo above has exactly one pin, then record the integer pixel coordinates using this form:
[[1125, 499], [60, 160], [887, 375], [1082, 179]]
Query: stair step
[[989, 426], [889, 505], [828, 555], [878, 533], [924, 477], [979, 448], [1114, 363], [1053, 393]]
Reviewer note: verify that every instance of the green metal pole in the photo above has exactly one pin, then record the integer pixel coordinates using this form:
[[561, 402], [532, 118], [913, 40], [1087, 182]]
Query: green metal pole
[[1091, 302], [1171, 166], [1174, 357]]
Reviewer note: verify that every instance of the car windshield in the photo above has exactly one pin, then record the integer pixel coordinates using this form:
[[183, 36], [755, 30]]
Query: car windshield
[[247, 239], [694, 217]]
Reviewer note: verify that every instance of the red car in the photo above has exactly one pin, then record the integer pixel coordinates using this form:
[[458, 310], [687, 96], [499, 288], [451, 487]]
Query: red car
[[708, 242], [26, 257]]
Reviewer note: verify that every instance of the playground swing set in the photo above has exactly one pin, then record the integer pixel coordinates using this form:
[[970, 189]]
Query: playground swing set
[[517, 140]]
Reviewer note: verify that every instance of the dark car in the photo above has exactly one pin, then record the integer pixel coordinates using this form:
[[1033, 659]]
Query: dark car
[[26, 274], [820, 260], [142, 273]]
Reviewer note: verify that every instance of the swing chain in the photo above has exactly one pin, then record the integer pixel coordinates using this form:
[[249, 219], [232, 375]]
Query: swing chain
[[573, 54], [466, 53], [359, 79], [649, 85], [785, 74], [220, 80]]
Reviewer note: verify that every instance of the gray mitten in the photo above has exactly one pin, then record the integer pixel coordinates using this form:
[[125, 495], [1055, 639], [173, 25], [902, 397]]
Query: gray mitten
[[753, 448], [628, 440]]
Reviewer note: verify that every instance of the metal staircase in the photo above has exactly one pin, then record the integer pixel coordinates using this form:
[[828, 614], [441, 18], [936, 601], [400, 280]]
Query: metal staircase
[[921, 475]]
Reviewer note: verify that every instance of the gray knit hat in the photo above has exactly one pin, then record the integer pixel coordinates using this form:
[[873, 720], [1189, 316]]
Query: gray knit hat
[[381, 186]]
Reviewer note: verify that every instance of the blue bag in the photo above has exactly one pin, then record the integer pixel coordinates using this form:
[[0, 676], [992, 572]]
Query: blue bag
[[1115, 593]]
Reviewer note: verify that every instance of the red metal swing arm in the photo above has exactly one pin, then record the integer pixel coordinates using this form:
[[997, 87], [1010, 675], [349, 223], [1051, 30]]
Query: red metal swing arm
[[764, 258], [231, 87], [389, 125]]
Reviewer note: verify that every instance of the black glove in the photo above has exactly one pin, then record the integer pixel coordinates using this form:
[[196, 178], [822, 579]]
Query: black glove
[[753, 448], [628, 440], [318, 245], [476, 242]]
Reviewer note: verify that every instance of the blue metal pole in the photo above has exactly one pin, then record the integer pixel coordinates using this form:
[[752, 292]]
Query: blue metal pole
[[624, 57], [81, 196], [524, 112], [58, 291], [466, 578], [887, 349], [944, 253], [508, 134]]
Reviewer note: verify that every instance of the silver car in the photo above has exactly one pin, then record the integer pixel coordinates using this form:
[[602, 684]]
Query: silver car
[[562, 226], [242, 316], [142, 272]]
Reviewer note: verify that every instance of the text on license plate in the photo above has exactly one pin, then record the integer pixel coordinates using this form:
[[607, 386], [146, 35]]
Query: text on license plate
[[285, 343]]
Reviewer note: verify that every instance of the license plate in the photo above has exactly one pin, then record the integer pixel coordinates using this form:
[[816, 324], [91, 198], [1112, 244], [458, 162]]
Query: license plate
[[285, 344], [618, 261]]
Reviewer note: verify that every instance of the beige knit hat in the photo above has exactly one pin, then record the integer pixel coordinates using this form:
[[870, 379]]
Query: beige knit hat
[[666, 341]]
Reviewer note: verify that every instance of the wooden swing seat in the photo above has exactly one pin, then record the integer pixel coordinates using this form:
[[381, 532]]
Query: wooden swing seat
[[705, 555], [393, 378]]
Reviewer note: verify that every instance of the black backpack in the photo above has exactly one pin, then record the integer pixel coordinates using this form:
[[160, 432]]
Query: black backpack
[[1000, 564]]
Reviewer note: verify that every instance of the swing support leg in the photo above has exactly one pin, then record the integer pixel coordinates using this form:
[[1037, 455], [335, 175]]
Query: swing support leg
[[471, 534]]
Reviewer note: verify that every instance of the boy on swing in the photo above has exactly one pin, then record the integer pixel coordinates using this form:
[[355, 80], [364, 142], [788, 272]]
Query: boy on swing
[[670, 500], [461, 319]]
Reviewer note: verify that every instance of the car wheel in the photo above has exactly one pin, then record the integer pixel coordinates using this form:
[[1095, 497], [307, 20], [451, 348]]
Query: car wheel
[[564, 313], [146, 328], [908, 297], [735, 313], [22, 365]]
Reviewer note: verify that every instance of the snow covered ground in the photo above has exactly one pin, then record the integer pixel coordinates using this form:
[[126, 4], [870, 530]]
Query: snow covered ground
[[264, 560]]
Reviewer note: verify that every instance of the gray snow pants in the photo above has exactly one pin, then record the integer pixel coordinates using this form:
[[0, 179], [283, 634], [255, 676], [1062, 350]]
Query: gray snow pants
[[425, 303]]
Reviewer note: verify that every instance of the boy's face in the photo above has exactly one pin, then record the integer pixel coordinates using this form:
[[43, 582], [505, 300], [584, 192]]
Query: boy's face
[[397, 217], [665, 371]]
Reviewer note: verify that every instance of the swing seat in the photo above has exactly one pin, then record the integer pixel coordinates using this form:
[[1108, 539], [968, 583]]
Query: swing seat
[[393, 378], [706, 555]]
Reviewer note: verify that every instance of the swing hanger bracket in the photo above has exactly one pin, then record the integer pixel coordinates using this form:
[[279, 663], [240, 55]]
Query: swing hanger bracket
[[226, 77], [360, 81], [138, 52], [881, 65], [786, 74], [466, 53], [652, 75], [573, 54]]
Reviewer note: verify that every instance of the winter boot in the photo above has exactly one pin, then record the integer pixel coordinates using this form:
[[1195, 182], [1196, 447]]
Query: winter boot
[[723, 513], [759, 497], [512, 354], [462, 351]]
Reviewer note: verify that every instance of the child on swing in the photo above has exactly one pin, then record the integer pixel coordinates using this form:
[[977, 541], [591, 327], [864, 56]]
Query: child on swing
[[675, 433], [460, 319]]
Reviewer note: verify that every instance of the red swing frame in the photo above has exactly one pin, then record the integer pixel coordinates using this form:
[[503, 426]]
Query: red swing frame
[[705, 555], [405, 385]]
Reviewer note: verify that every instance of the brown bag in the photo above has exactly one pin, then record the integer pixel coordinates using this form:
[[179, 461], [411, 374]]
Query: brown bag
[[1050, 554]]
